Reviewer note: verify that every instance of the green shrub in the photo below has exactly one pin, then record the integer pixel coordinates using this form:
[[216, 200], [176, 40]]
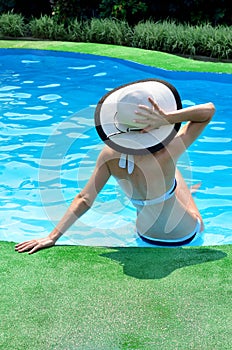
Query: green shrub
[[215, 42], [47, 27], [75, 30], [160, 36], [218, 42], [202, 40], [178, 39], [12, 25], [166, 36], [107, 31], [147, 35]]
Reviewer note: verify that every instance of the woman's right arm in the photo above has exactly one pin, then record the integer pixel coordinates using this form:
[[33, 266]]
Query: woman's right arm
[[198, 114], [197, 117]]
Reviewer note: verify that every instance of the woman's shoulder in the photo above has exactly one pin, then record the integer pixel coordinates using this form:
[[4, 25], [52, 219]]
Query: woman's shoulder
[[110, 153], [107, 154]]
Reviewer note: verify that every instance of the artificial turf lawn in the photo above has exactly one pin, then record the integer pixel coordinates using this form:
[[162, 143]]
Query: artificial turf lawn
[[147, 57], [68, 298]]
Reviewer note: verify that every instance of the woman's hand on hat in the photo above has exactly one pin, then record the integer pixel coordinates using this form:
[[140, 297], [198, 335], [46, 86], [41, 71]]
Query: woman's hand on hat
[[153, 117]]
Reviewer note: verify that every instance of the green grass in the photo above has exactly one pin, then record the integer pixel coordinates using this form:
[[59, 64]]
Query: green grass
[[71, 298], [147, 57], [128, 298]]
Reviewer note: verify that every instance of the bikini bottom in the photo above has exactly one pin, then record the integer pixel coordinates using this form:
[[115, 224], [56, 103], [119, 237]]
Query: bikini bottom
[[174, 242]]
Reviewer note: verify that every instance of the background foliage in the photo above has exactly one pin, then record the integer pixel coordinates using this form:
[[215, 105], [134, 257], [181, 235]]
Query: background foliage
[[186, 27], [183, 11], [165, 36]]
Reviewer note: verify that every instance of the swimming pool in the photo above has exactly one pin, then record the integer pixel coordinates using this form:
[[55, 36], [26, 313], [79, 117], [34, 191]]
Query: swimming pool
[[49, 146]]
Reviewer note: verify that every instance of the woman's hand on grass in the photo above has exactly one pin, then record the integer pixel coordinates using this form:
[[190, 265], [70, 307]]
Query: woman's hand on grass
[[34, 245]]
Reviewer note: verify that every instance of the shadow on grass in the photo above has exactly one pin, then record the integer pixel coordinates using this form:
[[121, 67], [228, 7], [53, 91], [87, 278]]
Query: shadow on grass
[[157, 263]]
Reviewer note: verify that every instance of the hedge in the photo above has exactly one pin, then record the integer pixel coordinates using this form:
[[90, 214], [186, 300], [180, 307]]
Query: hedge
[[166, 36]]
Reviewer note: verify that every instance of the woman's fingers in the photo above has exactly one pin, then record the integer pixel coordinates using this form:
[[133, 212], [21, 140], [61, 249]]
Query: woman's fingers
[[142, 121], [19, 245], [25, 246], [145, 108], [153, 117], [156, 107], [153, 103], [147, 129], [34, 245], [40, 244], [147, 118]]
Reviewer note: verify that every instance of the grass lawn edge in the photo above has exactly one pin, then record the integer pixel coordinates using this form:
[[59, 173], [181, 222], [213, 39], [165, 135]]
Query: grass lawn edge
[[146, 57]]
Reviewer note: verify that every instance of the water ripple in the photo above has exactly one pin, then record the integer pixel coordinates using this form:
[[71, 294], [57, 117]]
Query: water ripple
[[215, 139], [9, 88], [210, 169], [100, 74], [48, 86], [51, 97], [21, 116], [30, 61], [83, 67]]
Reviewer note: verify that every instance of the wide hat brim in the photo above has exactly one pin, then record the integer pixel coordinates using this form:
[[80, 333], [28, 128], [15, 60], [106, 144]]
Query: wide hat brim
[[135, 142]]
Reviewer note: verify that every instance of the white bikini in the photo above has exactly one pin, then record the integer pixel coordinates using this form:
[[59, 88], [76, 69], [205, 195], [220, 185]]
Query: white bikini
[[127, 161], [156, 200]]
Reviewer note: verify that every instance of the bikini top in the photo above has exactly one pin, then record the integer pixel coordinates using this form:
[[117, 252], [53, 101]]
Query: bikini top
[[156, 200], [127, 161]]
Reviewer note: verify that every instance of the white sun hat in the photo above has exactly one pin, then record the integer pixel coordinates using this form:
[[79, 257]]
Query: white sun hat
[[115, 115]]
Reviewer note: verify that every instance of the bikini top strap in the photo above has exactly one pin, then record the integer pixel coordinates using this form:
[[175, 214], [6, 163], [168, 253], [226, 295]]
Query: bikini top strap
[[127, 161]]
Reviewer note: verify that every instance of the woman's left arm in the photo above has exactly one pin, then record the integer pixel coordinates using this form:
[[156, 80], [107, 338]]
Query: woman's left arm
[[81, 203]]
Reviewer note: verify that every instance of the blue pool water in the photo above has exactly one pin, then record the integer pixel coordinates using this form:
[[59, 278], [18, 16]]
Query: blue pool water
[[49, 146]]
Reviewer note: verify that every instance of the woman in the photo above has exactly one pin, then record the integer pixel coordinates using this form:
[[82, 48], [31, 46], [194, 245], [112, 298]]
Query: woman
[[140, 124]]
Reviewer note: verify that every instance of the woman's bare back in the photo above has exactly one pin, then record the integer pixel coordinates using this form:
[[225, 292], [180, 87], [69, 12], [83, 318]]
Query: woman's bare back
[[153, 175]]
